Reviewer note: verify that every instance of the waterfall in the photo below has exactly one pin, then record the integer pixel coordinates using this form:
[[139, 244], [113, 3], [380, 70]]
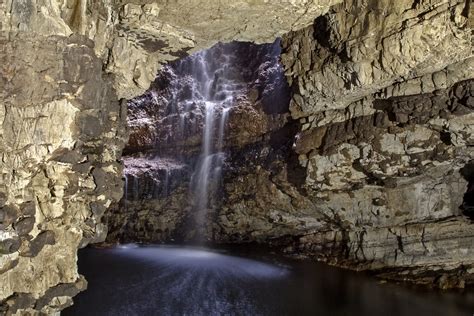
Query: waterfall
[[126, 188], [216, 91], [179, 128]]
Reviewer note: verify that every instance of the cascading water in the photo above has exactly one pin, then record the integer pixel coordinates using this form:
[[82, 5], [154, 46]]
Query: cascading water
[[215, 85], [184, 131], [218, 95]]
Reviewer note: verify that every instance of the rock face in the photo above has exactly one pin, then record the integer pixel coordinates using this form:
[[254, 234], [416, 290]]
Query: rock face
[[60, 138], [384, 102], [386, 113], [65, 64], [154, 206], [368, 169]]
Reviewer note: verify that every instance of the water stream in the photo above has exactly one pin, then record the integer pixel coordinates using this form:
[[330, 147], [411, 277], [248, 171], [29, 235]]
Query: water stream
[[212, 92], [217, 90]]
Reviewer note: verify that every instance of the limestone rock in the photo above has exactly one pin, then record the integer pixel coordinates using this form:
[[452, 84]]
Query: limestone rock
[[54, 84], [350, 52]]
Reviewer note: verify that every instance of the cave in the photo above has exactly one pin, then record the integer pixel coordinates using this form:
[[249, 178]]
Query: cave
[[236, 157]]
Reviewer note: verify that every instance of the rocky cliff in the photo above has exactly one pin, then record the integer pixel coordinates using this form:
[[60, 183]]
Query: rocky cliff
[[383, 97], [370, 168], [385, 100]]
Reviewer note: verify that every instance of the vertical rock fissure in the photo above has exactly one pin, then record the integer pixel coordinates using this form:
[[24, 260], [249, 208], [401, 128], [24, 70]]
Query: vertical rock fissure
[[467, 206]]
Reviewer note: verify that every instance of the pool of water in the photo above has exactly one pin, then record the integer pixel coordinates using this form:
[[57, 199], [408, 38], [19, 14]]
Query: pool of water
[[171, 280]]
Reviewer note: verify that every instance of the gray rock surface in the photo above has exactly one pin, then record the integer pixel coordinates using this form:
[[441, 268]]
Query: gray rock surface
[[54, 87]]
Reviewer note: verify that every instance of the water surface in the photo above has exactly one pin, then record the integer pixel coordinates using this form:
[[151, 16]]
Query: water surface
[[170, 280]]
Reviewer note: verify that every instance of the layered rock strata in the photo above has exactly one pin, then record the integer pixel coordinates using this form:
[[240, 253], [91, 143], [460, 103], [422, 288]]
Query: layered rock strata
[[386, 131]]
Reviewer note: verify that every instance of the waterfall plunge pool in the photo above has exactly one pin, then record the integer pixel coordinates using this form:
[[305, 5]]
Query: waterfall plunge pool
[[179, 280]]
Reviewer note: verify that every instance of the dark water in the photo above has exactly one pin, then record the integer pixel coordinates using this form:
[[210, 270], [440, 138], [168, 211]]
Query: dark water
[[162, 280]]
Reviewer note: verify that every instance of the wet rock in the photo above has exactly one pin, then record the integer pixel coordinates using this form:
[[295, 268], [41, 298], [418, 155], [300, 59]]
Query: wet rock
[[446, 281], [169, 117], [168, 121], [155, 203]]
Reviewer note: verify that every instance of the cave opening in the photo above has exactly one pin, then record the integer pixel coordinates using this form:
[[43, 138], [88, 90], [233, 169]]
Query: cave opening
[[467, 205]]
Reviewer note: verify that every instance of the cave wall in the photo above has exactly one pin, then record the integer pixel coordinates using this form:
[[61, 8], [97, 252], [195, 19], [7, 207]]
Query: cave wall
[[369, 170], [383, 95], [381, 108], [61, 136], [65, 66]]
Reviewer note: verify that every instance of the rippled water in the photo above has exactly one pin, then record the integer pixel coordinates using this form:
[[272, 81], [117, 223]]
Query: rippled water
[[169, 280]]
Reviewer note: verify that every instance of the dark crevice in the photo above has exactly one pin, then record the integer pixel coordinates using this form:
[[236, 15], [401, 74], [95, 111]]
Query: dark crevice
[[467, 205], [415, 4], [445, 137], [467, 9]]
